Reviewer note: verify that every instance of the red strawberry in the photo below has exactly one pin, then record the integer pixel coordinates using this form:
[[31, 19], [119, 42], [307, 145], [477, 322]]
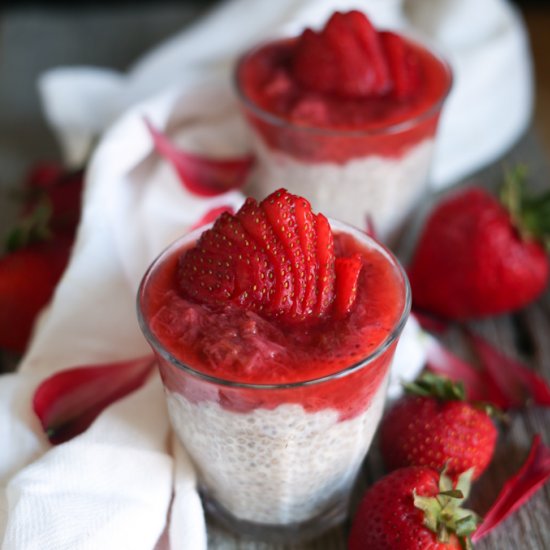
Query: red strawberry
[[306, 222], [325, 255], [28, 277], [255, 221], [403, 65], [276, 258], [413, 509], [280, 211], [347, 274], [349, 58], [477, 258], [62, 190], [436, 427]]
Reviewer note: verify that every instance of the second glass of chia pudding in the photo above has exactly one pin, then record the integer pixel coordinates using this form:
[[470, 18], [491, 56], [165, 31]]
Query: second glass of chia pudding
[[346, 117]]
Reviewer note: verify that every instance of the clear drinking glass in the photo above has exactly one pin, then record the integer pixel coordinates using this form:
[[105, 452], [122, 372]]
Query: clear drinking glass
[[276, 461], [380, 172]]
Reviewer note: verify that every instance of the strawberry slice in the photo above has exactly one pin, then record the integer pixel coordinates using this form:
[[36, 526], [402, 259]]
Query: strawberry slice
[[250, 257], [226, 265], [347, 274], [207, 277], [369, 38], [362, 68], [280, 211], [308, 241], [314, 64], [403, 65], [255, 221], [325, 259]]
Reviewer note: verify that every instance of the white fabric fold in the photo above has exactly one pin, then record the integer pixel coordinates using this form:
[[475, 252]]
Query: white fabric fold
[[108, 488]]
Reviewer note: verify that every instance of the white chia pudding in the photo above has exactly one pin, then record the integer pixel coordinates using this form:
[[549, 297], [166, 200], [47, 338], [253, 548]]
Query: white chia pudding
[[278, 466], [385, 188]]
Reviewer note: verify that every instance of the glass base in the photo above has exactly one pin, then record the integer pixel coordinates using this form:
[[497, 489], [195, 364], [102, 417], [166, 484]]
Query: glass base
[[276, 533]]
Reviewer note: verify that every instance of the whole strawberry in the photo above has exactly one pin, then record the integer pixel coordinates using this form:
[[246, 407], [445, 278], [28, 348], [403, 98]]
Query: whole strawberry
[[28, 277], [478, 257], [413, 509], [434, 426]]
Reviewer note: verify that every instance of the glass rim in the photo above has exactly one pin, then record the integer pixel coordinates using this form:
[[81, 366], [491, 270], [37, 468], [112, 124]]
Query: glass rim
[[397, 127], [382, 347]]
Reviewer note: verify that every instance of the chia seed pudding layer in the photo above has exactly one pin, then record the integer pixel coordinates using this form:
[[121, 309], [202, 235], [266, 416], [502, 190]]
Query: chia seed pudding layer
[[278, 466], [384, 188]]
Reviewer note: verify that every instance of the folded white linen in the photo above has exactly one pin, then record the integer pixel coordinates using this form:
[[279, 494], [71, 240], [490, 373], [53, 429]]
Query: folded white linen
[[484, 40]]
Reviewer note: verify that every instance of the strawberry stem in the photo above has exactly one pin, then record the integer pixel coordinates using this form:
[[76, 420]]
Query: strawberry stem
[[429, 384], [32, 228], [530, 214]]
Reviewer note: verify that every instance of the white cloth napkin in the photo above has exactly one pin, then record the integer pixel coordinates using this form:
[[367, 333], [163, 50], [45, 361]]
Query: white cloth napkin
[[80, 494], [484, 40]]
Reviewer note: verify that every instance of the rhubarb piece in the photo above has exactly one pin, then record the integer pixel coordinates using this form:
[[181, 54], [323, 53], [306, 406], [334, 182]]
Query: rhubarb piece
[[441, 361], [69, 401], [205, 177], [534, 473], [517, 385]]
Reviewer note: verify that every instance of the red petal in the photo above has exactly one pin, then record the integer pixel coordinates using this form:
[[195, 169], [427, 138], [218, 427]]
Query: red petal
[[69, 401], [430, 322], [202, 176], [441, 361], [370, 228], [211, 215], [519, 488], [510, 378]]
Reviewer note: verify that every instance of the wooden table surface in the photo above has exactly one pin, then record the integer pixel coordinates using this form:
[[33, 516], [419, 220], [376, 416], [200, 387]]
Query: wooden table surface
[[526, 336]]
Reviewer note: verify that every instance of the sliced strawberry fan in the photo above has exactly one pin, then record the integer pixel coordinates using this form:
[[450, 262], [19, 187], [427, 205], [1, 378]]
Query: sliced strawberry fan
[[70, 400], [204, 177], [534, 473]]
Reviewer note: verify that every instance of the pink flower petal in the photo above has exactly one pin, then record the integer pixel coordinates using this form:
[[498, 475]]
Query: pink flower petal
[[441, 361], [200, 175], [212, 214], [519, 488], [69, 401], [510, 378]]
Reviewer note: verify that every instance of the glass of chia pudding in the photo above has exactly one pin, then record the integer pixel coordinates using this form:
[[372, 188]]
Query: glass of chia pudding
[[346, 117], [277, 406]]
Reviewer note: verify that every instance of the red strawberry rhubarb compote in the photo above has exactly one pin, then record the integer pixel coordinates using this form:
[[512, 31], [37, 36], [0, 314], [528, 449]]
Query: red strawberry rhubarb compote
[[345, 116], [275, 330]]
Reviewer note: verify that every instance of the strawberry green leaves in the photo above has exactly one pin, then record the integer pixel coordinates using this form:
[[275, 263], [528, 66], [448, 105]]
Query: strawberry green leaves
[[204, 177], [534, 473], [69, 401]]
